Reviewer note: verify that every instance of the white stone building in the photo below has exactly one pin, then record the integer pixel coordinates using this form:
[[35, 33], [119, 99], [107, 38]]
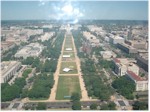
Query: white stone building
[[31, 50]]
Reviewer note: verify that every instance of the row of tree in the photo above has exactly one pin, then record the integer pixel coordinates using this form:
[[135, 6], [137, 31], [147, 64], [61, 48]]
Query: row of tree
[[53, 48], [78, 39], [109, 106], [96, 87], [88, 67], [48, 66], [41, 87], [93, 82]]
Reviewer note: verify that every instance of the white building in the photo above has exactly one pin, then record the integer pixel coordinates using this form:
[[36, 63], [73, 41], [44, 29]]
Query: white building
[[115, 39], [94, 28], [33, 50], [107, 54], [124, 64], [141, 84], [8, 70]]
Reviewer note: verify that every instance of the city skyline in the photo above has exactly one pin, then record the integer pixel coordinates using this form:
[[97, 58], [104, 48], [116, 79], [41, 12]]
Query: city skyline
[[74, 10]]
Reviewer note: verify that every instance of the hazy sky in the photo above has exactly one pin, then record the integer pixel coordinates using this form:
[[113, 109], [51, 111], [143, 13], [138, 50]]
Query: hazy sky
[[35, 10]]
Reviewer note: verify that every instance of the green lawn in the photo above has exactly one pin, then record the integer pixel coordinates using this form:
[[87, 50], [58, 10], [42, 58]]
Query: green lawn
[[71, 65], [66, 86], [26, 72], [69, 53], [68, 45]]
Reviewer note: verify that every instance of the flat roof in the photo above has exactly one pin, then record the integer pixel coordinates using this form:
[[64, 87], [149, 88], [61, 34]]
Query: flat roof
[[7, 65]]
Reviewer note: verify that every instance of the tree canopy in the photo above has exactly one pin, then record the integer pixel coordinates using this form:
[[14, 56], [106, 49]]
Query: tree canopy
[[124, 86]]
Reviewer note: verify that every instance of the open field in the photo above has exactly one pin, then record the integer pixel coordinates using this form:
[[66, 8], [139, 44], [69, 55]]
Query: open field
[[66, 86], [68, 45], [69, 53], [71, 65]]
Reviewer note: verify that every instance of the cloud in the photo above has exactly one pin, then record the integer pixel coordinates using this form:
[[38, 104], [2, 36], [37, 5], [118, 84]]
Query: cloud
[[63, 10]]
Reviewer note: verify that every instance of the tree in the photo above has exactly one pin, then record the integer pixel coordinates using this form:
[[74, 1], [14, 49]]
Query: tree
[[93, 106], [75, 97], [109, 106], [28, 61], [10, 92], [42, 86], [24, 93], [127, 90], [76, 105], [41, 106], [112, 106], [140, 106]]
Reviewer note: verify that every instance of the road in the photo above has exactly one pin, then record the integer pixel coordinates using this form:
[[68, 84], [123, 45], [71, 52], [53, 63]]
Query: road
[[50, 105]]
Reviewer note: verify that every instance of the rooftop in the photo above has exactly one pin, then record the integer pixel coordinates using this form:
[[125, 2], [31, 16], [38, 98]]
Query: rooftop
[[134, 76], [7, 65]]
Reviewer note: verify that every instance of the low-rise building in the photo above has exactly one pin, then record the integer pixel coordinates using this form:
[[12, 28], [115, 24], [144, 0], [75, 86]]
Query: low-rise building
[[31, 50], [124, 64], [9, 69], [141, 84]]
